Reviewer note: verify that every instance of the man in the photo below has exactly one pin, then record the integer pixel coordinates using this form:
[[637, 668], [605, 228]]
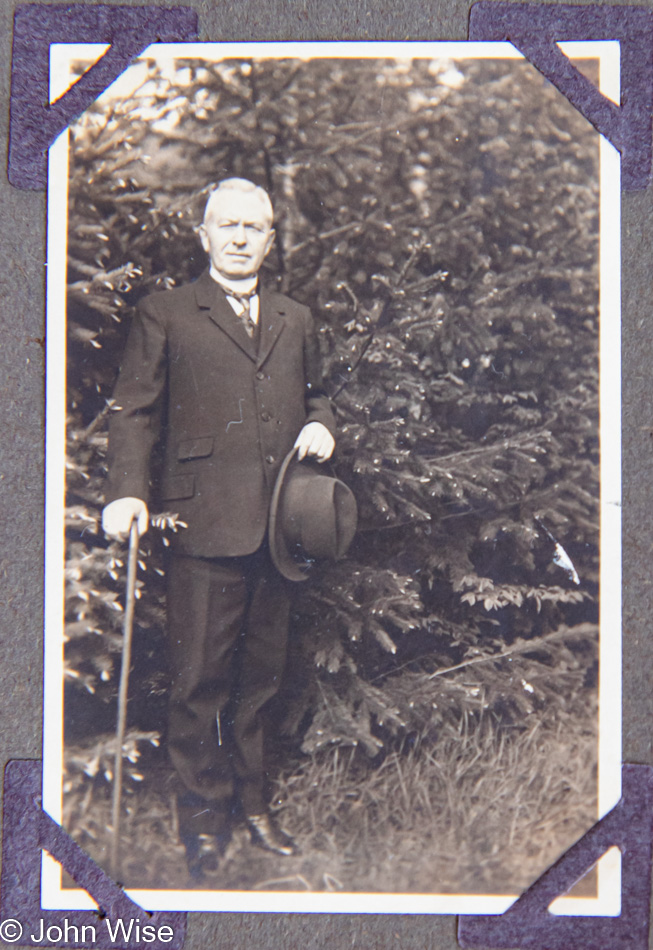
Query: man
[[227, 376]]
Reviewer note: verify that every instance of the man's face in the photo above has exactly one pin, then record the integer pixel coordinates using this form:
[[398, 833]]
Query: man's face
[[237, 234]]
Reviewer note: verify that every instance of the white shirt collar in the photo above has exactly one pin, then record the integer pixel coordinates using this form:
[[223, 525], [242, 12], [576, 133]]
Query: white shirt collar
[[243, 286]]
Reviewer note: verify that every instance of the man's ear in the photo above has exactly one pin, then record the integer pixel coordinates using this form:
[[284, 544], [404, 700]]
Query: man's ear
[[271, 236], [204, 238]]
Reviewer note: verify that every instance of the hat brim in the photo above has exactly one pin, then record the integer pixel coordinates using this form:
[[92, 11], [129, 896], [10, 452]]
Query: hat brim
[[282, 558]]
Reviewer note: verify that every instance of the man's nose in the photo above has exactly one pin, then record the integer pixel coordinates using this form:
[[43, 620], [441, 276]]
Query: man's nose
[[240, 235]]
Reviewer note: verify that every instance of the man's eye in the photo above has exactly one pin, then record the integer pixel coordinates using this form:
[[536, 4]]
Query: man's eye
[[232, 225]]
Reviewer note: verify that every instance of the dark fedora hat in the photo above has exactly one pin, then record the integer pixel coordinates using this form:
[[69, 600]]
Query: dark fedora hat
[[312, 517]]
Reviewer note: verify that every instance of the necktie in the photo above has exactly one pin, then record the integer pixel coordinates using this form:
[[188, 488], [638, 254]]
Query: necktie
[[245, 315]]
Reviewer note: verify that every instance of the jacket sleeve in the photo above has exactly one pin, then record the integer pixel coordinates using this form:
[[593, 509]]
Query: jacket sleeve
[[135, 423], [318, 404]]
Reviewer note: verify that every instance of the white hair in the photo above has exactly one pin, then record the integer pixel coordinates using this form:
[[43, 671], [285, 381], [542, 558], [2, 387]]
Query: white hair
[[244, 186]]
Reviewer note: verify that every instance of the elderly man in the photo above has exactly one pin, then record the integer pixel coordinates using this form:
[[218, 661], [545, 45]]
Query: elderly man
[[226, 376]]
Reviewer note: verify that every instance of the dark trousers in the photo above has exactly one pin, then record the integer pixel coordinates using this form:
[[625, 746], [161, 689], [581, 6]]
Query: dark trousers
[[227, 637]]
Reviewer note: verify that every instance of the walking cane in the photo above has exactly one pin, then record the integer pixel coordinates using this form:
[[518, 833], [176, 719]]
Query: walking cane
[[128, 626]]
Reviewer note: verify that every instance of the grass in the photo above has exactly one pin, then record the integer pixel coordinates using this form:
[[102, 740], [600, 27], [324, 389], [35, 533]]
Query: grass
[[484, 814], [484, 811]]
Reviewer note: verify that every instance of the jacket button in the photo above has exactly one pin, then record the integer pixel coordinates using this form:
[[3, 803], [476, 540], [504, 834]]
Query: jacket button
[[260, 375], [270, 459], [265, 416]]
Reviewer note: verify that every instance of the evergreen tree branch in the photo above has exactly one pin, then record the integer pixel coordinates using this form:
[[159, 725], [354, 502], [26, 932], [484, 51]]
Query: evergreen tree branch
[[523, 646]]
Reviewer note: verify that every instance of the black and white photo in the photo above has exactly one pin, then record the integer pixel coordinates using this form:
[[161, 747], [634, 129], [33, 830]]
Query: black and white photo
[[338, 331]]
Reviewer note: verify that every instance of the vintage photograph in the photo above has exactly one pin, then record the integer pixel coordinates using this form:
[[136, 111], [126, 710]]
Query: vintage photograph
[[341, 477]]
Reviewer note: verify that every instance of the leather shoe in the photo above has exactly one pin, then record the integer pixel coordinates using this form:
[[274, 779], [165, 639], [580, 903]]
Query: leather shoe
[[203, 854], [265, 833]]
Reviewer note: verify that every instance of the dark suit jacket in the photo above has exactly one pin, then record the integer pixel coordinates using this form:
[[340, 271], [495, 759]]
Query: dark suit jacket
[[227, 411]]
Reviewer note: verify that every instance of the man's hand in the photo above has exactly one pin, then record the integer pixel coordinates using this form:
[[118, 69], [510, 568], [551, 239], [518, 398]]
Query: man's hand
[[117, 517], [315, 441]]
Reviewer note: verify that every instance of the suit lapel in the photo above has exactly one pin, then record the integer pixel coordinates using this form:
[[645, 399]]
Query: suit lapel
[[271, 320], [210, 297]]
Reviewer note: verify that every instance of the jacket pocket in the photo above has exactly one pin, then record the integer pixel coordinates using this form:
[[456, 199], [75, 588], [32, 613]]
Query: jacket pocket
[[178, 486], [194, 449]]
